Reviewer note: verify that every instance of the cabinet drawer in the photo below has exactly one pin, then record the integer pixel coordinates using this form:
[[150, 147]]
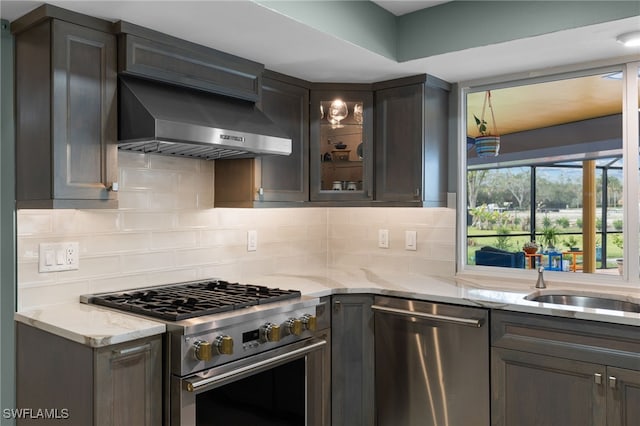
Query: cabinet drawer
[[193, 66], [589, 341]]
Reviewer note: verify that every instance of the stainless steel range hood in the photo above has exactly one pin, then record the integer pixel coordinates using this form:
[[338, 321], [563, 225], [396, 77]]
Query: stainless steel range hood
[[172, 120]]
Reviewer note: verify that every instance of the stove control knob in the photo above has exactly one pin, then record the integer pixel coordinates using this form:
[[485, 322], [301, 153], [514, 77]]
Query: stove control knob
[[202, 350], [309, 322], [224, 345], [294, 326], [270, 332]]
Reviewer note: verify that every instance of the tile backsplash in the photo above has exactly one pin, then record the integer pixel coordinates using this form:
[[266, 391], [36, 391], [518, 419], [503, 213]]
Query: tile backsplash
[[166, 230]]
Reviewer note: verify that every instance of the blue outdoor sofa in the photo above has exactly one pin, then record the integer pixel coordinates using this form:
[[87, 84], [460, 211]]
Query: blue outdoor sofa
[[491, 256]]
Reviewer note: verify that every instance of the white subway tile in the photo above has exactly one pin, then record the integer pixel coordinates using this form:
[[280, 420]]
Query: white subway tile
[[224, 237], [33, 297], [196, 181], [134, 221], [94, 221], [149, 179], [122, 242], [170, 277], [165, 162], [34, 222], [173, 239], [128, 159], [166, 230], [133, 200], [442, 268], [199, 218], [27, 274], [148, 261]]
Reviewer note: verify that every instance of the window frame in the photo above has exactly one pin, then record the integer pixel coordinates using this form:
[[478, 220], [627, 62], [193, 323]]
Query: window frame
[[630, 149]]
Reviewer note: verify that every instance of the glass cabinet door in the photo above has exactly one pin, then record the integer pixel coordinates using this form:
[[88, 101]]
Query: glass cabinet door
[[341, 145]]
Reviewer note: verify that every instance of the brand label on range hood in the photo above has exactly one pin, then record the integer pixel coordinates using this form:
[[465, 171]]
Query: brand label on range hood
[[232, 138]]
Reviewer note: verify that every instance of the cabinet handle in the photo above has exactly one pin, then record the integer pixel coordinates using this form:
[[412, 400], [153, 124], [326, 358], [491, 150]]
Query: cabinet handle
[[612, 382], [337, 305], [113, 187], [597, 378], [134, 350]]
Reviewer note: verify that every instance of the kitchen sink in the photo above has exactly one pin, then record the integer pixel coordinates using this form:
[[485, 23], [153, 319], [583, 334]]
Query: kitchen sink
[[585, 301]]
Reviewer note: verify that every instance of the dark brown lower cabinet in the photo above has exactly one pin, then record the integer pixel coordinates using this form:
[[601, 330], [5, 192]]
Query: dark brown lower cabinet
[[623, 398], [559, 372], [113, 385], [532, 389], [352, 361]]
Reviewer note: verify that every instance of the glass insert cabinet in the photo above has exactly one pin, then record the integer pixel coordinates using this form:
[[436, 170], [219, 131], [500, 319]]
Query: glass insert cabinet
[[341, 145]]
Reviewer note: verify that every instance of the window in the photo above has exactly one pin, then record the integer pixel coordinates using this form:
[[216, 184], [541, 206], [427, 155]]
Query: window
[[556, 175]]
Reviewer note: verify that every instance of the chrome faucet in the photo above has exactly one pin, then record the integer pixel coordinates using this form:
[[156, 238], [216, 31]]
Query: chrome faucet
[[540, 283]]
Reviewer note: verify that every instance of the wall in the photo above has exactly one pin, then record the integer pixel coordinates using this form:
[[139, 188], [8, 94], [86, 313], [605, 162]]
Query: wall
[[7, 225], [166, 231]]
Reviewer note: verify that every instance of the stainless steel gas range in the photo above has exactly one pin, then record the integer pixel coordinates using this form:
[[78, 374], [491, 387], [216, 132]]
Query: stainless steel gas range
[[236, 353]]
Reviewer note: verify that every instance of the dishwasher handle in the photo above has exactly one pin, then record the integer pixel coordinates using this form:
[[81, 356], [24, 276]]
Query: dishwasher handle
[[469, 322]]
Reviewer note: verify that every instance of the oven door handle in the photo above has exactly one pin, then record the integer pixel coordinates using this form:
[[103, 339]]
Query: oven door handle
[[194, 385]]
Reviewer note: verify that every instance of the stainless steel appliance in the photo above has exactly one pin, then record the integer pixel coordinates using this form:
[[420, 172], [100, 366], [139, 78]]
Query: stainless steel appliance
[[237, 354], [179, 121], [432, 364]]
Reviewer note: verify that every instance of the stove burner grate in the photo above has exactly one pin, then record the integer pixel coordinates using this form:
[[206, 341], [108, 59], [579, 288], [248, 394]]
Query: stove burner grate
[[189, 300]]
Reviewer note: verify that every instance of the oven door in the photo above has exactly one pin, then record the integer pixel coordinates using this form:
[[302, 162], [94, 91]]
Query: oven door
[[284, 386]]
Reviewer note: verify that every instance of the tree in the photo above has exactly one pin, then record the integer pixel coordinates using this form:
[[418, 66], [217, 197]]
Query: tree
[[614, 191], [475, 182], [518, 184]]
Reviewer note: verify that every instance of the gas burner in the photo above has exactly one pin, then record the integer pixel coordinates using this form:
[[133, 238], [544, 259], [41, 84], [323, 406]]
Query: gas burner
[[193, 299]]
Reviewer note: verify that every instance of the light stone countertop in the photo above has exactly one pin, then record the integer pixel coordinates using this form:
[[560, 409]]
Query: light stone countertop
[[502, 294], [96, 326], [90, 325]]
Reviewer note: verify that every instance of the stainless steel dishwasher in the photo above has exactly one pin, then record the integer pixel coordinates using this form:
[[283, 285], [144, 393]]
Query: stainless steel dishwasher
[[432, 364]]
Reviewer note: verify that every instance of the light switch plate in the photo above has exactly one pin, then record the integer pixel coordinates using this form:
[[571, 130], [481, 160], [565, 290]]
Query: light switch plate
[[410, 240], [55, 257], [252, 240], [383, 238]]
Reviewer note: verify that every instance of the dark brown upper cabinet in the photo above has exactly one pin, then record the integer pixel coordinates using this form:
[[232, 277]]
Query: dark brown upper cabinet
[[411, 138], [272, 180], [341, 151], [150, 54], [66, 153]]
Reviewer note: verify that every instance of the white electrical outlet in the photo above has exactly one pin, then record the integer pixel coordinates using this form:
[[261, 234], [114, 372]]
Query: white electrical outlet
[[383, 238], [252, 240], [55, 257], [410, 240]]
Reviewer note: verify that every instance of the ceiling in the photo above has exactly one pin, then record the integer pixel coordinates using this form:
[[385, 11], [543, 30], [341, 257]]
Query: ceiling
[[546, 104], [255, 32], [400, 7]]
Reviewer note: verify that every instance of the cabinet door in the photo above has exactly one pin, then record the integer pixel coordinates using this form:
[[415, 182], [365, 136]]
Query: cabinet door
[[533, 390], [129, 384], [623, 397], [286, 178], [399, 134], [352, 361], [341, 157], [181, 62], [84, 113]]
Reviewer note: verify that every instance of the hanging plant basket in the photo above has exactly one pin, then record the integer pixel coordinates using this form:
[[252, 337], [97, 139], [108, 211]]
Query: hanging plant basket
[[487, 144]]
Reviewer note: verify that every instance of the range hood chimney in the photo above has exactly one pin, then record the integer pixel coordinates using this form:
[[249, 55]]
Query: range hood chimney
[[179, 121]]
